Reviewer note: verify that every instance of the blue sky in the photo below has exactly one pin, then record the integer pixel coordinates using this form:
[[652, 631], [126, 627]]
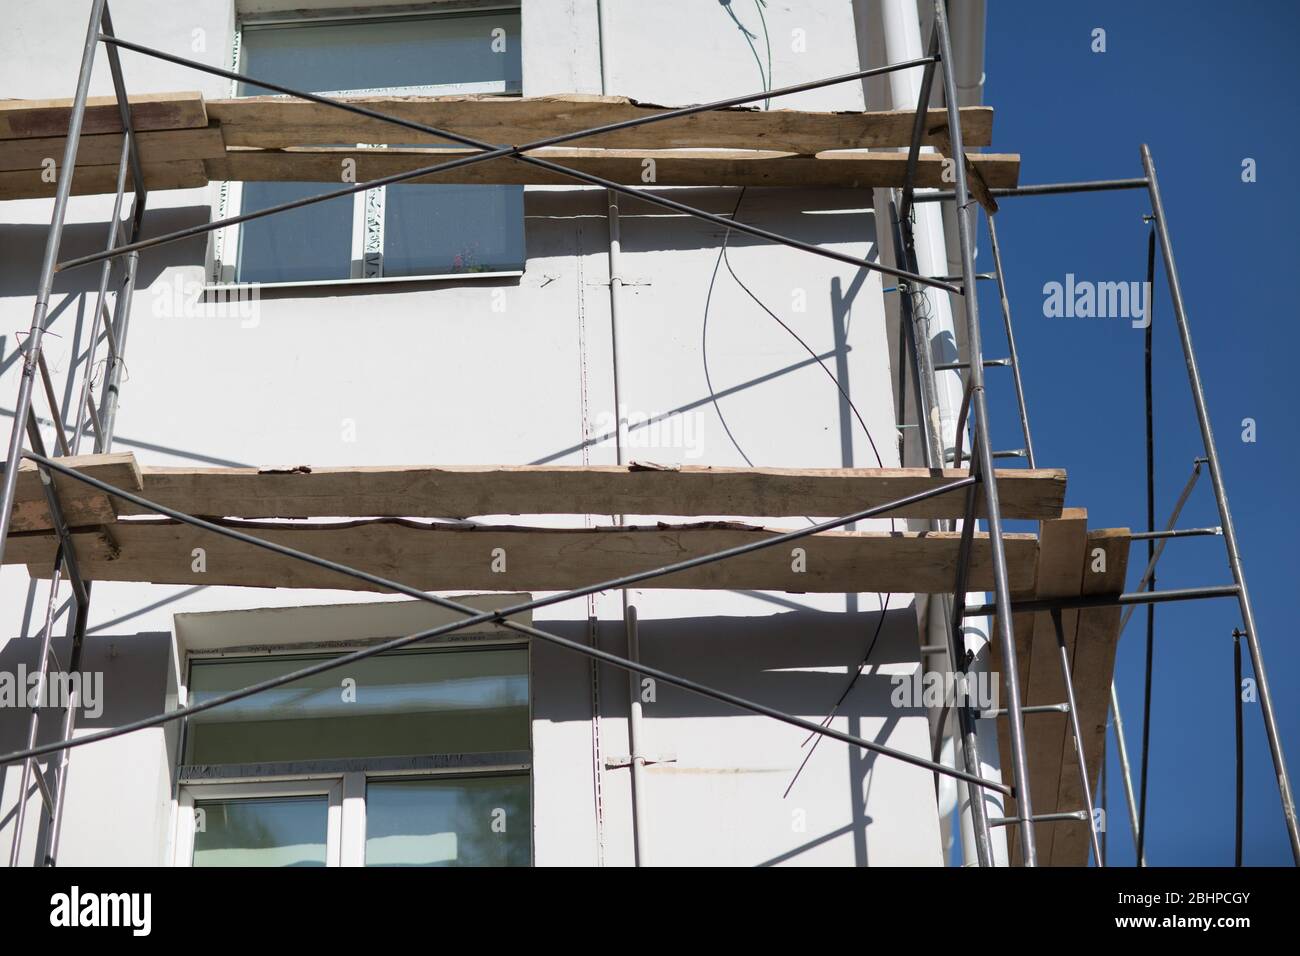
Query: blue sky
[[1206, 86]]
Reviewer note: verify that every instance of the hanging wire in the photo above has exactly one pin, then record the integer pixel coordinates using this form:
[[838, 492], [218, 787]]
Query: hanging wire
[[1151, 576]]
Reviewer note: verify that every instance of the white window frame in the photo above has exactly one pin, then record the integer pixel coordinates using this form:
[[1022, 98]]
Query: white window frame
[[346, 835], [186, 819], [368, 207]]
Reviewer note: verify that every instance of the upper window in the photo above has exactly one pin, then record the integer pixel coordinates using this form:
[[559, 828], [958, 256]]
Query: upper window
[[413, 758], [395, 231]]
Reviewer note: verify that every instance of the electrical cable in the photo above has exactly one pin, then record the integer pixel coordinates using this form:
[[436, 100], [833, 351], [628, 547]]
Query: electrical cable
[[883, 598], [704, 352], [750, 38], [1151, 577]]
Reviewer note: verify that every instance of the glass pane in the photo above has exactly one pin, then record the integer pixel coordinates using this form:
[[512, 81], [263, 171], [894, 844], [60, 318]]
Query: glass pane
[[314, 242], [404, 704], [450, 229], [272, 831], [429, 230], [480, 49], [476, 821]]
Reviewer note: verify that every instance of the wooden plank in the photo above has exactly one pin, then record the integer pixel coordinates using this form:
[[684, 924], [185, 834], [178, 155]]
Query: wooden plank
[[852, 169], [81, 504], [691, 491], [278, 122], [1059, 574], [36, 548], [105, 149], [1093, 667], [93, 180], [23, 119], [450, 557]]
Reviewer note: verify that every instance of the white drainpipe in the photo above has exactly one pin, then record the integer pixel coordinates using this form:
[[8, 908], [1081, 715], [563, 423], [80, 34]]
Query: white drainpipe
[[936, 256], [634, 719]]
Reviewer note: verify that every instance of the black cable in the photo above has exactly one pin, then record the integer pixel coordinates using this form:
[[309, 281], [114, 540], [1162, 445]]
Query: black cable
[[704, 338], [848, 688], [882, 597], [750, 37], [767, 40], [708, 381], [829, 374], [1151, 526]]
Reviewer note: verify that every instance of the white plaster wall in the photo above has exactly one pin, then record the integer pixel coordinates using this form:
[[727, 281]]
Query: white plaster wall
[[430, 373]]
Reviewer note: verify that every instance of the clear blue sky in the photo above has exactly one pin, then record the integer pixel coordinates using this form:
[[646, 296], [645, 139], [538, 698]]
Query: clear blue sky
[[1205, 85]]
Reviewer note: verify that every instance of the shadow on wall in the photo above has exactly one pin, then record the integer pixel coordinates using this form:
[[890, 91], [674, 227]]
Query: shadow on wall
[[124, 678], [816, 216], [24, 248], [822, 216], [765, 658]]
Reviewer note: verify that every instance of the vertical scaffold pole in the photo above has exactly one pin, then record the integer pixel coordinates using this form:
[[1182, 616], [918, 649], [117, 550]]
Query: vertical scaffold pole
[[979, 419], [31, 360], [1225, 514]]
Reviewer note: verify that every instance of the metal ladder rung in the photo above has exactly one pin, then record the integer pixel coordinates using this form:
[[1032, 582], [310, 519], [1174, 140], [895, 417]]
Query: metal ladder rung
[[1008, 453], [1080, 815], [957, 366], [1062, 708]]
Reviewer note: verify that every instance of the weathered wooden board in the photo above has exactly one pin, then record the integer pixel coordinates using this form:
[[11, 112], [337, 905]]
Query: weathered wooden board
[[450, 557], [105, 149], [850, 169], [1060, 556], [277, 122], [465, 491], [22, 119], [1091, 673], [82, 505], [94, 180]]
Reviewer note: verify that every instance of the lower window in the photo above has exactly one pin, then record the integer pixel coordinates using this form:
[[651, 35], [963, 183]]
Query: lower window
[[405, 759]]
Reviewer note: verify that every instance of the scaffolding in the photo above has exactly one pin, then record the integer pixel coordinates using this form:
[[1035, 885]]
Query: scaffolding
[[47, 501]]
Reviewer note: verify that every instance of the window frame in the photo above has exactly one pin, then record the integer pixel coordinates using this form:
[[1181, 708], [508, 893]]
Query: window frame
[[223, 245], [187, 796], [342, 779]]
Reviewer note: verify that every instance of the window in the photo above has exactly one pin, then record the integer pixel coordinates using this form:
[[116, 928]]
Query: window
[[412, 758], [396, 231]]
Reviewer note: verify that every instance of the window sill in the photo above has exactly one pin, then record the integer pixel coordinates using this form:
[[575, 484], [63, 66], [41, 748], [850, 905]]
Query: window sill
[[359, 285]]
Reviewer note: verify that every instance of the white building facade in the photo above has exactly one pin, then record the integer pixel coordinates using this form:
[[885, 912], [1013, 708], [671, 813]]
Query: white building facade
[[472, 325]]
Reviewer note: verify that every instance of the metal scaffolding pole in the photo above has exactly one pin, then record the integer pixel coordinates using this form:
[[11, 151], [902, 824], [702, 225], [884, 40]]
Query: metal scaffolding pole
[[940, 56], [1130, 798], [917, 335], [516, 153], [1011, 341], [24, 419], [1044, 189], [52, 789], [502, 617], [46, 281], [1111, 600], [1225, 513], [1076, 733], [1020, 768]]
